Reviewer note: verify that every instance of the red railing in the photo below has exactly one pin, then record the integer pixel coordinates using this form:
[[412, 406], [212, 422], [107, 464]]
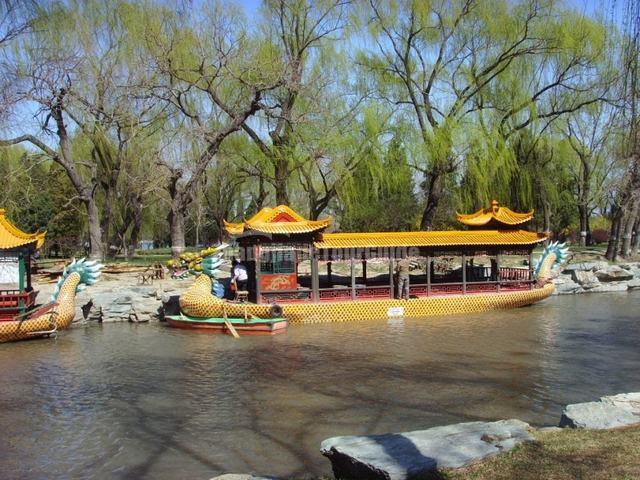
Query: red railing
[[517, 280], [509, 273], [13, 302], [373, 292]]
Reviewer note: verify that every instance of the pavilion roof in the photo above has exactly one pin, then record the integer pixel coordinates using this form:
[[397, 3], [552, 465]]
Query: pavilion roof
[[446, 238], [12, 237], [279, 220], [495, 215]]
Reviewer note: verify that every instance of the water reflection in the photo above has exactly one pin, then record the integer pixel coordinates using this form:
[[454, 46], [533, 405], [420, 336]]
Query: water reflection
[[147, 401]]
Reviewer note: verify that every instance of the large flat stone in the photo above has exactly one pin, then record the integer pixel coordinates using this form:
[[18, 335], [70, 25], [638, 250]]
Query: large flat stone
[[613, 273], [410, 455], [565, 286], [609, 412], [585, 266], [587, 279], [633, 284]]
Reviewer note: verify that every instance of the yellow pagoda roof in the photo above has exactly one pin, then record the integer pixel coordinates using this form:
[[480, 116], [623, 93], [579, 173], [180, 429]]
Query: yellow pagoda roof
[[12, 237], [430, 239], [278, 220], [495, 215]]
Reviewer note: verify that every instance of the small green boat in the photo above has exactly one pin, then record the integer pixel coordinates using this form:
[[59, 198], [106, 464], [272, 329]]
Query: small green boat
[[233, 326]]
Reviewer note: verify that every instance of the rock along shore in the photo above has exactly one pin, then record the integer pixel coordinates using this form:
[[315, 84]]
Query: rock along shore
[[403, 456], [598, 277]]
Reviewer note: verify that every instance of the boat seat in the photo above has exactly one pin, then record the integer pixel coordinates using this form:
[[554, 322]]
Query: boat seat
[[242, 296]]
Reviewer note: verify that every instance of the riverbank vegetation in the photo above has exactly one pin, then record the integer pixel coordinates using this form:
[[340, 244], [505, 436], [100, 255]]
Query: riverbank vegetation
[[131, 120], [564, 454]]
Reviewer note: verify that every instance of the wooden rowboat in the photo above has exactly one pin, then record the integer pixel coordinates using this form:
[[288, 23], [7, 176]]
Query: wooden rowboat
[[251, 326]]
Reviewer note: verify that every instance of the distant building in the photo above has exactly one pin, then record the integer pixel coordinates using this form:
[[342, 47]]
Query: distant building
[[146, 245]]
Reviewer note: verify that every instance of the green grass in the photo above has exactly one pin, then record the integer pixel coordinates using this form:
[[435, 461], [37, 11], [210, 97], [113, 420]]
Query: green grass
[[564, 455]]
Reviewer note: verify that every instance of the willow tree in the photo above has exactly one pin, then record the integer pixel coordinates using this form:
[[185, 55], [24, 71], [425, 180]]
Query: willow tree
[[210, 76], [436, 60], [73, 73], [303, 34], [589, 133]]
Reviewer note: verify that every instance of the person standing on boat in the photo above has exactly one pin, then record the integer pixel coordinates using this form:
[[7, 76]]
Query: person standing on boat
[[239, 275], [402, 271]]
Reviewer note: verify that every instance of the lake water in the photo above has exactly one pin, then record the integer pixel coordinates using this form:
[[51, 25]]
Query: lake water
[[145, 401]]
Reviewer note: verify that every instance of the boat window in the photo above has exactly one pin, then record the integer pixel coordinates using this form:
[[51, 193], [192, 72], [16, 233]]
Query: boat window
[[278, 262]]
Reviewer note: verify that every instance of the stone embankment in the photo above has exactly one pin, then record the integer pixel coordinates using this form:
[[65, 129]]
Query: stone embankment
[[121, 298], [598, 276]]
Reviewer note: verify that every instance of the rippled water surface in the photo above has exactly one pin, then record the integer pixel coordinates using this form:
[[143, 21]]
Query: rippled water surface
[[147, 401]]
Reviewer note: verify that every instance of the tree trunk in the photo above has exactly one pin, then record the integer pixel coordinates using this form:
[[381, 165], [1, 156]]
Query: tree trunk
[[281, 178], [96, 251], [628, 230], [635, 243], [614, 235], [584, 224], [176, 222], [546, 211], [137, 227], [433, 200]]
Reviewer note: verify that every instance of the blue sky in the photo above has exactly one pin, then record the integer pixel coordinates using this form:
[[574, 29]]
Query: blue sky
[[590, 7]]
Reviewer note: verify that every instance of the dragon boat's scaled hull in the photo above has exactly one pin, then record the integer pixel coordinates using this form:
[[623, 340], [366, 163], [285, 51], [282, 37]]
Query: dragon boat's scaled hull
[[218, 325], [369, 309], [41, 323]]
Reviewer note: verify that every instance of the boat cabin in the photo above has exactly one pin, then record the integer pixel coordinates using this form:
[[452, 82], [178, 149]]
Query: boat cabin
[[291, 259], [16, 249]]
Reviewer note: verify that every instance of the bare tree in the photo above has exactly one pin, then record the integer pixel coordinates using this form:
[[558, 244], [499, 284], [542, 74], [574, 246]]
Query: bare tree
[[211, 77]]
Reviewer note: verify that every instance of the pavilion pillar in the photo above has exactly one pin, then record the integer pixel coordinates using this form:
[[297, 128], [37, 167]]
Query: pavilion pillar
[[391, 293], [428, 275], [464, 273], [315, 279], [530, 269], [28, 272], [353, 277], [21, 304], [329, 278], [364, 269], [20, 272], [498, 269], [257, 256]]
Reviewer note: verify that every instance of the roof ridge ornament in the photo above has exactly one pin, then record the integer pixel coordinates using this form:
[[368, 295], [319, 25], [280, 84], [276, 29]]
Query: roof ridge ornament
[[279, 220], [12, 237], [496, 216]]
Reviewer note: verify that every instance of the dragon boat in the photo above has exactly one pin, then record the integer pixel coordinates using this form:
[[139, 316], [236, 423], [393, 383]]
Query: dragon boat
[[487, 266], [19, 317], [60, 312]]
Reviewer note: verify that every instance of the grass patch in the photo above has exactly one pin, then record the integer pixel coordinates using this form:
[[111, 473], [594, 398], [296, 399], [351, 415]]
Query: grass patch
[[563, 455]]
